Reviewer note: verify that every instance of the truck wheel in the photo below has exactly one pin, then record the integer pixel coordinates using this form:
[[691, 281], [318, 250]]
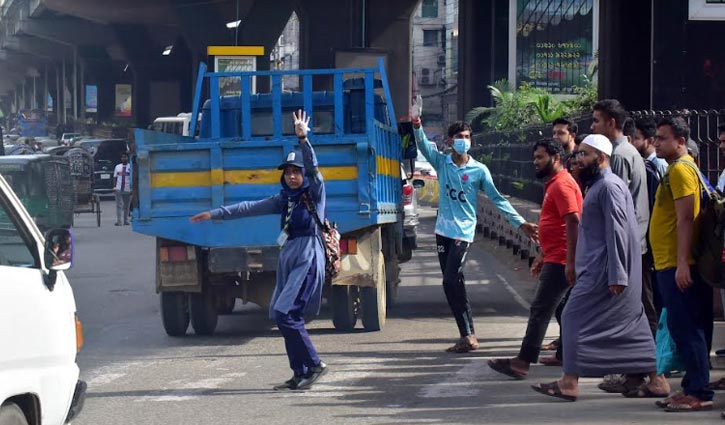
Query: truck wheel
[[11, 414], [373, 300], [344, 307], [406, 255], [203, 313], [226, 305], [175, 313], [392, 281]]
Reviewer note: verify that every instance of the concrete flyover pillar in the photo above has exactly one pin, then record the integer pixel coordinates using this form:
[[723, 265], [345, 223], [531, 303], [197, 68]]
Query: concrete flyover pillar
[[390, 29], [368, 27]]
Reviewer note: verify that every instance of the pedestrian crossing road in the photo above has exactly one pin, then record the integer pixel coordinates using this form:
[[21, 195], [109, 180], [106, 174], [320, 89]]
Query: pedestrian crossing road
[[138, 375]]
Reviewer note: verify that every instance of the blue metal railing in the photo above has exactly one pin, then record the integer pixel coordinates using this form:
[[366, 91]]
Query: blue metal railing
[[276, 91]]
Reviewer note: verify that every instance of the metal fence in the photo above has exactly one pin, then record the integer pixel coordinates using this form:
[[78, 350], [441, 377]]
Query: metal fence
[[508, 154], [703, 130]]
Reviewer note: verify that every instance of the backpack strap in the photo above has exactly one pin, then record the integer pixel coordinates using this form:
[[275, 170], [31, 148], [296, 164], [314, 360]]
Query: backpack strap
[[313, 210], [701, 179]]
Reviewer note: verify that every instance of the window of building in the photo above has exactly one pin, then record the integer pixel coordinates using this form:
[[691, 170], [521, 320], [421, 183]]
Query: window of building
[[429, 9], [706, 10], [431, 38]]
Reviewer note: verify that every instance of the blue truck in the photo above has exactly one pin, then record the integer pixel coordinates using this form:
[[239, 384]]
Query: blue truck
[[202, 269], [32, 123]]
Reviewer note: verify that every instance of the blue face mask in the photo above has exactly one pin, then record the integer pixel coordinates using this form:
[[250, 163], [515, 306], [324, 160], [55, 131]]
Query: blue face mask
[[461, 146]]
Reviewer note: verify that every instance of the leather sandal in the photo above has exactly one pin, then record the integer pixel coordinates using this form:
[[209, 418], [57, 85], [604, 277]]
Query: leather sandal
[[688, 404], [462, 346], [503, 366], [550, 361], [552, 346], [552, 390]]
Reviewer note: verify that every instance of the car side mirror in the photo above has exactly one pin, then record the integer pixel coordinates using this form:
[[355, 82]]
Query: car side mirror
[[418, 183], [58, 249]]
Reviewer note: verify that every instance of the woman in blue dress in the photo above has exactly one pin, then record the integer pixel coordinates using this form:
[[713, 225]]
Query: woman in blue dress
[[301, 264]]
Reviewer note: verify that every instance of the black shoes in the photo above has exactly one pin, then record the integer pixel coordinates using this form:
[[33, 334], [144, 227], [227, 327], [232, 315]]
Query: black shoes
[[290, 384], [312, 375], [303, 382]]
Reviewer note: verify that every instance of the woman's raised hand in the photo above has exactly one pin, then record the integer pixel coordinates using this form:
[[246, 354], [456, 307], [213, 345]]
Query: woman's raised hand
[[201, 217], [302, 122]]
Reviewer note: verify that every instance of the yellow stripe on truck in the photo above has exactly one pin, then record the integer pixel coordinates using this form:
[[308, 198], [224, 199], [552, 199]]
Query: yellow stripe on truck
[[388, 167], [218, 177]]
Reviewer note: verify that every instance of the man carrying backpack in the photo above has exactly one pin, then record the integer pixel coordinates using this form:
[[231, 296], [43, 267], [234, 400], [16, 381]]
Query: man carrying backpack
[[644, 141], [684, 293]]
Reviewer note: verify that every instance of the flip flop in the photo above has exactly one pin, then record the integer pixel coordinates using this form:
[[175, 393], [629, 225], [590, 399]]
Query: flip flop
[[462, 347], [503, 366], [666, 402], [644, 392], [718, 385], [550, 361], [689, 404], [552, 390], [552, 346]]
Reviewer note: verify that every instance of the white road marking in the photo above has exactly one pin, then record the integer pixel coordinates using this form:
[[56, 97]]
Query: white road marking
[[519, 299], [107, 374], [191, 390], [457, 385]]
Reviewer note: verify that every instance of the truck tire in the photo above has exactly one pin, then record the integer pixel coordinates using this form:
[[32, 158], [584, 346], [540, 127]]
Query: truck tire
[[11, 414], [175, 312], [373, 301], [406, 255], [392, 281], [226, 305], [203, 313], [344, 307]]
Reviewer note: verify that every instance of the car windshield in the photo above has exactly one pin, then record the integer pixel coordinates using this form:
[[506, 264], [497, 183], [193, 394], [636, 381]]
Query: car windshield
[[420, 157], [104, 166]]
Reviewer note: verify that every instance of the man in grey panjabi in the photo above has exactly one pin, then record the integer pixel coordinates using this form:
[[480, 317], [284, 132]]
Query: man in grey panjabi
[[605, 329]]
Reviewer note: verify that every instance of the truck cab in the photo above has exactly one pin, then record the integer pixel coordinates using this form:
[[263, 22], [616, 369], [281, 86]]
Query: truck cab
[[173, 125], [203, 269]]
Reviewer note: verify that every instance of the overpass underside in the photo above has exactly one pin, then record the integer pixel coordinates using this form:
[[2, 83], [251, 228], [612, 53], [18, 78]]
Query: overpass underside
[[112, 43]]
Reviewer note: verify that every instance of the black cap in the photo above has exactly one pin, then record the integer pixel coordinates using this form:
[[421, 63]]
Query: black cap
[[293, 158]]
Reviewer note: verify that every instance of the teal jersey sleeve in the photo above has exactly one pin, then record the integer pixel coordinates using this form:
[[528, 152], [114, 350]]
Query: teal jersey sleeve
[[435, 158], [501, 203]]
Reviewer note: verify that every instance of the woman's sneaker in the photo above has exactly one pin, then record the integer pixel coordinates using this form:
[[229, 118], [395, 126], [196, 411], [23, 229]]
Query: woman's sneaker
[[290, 384], [312, 375]]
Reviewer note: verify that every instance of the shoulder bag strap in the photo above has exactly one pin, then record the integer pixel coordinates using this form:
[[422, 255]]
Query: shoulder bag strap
[[696, 169], [313, 210]]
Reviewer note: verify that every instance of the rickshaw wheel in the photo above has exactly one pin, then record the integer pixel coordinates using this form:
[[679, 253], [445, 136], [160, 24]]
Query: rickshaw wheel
[[97, 206]]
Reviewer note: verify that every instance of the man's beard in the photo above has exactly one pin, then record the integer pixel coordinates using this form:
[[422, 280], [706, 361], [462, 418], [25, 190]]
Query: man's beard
[[590, 172], [546, 171]]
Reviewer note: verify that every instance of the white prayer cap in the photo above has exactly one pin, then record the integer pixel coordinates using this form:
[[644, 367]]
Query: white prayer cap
[[599, 142]]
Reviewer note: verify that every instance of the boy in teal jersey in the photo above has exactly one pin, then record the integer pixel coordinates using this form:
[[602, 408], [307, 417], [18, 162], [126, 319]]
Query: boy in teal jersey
[[460, 177]]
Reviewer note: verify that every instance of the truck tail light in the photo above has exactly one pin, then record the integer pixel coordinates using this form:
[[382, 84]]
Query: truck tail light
[[79, 334], [177, 253], [408, 194], [348, 246]]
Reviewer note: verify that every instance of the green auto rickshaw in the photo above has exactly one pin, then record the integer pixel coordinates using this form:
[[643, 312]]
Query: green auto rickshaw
[[43, 183]]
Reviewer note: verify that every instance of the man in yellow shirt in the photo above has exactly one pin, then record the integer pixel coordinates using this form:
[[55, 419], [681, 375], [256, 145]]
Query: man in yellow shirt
[[684, 294]]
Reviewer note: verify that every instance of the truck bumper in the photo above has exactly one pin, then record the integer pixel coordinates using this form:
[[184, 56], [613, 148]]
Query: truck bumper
[[79, 398], [226, 260]]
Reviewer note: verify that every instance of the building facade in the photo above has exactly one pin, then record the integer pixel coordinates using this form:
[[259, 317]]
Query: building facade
[[650, 54], [435, 54]]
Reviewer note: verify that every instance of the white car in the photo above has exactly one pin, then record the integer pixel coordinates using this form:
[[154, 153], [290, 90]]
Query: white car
[[410, 219], [66, 138], [423, 168], [39, 329]]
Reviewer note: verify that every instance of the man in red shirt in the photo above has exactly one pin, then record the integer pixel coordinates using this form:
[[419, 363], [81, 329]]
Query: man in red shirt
[[558, 231]]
